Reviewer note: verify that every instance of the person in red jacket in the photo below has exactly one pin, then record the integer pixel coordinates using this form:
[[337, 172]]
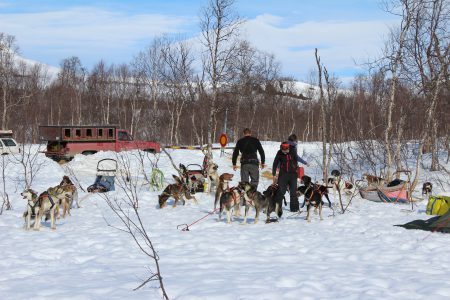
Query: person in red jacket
[[286, 161]]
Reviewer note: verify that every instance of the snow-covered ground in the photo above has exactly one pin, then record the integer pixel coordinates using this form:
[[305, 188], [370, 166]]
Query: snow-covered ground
[[356, 255]]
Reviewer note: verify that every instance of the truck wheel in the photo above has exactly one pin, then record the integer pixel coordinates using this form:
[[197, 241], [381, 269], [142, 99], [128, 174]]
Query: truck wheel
[[150, 150], [88, 152]]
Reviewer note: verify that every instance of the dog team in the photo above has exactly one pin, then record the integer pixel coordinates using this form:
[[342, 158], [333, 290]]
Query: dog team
[[229, 199], [48, 203]]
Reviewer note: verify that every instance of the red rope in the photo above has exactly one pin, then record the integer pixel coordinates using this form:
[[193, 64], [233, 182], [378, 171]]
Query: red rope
[[208, 214]]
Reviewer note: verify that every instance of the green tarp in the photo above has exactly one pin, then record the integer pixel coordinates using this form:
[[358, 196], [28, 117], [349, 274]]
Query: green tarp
[[435, 224]]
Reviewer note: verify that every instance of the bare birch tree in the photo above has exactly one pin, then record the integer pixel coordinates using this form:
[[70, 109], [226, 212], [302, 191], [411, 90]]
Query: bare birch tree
[[219, 26], [126, 209]]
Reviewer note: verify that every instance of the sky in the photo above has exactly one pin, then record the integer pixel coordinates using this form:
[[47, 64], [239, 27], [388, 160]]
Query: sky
[[347, 32]]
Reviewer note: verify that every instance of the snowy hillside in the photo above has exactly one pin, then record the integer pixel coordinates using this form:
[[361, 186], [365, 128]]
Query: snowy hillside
[[356, 255]]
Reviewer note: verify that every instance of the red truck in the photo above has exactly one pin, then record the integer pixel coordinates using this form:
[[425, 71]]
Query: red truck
[[64, 141]]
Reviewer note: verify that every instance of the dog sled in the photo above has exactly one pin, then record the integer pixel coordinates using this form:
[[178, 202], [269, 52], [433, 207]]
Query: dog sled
[[194, 176], [390, 193], [105, 176]]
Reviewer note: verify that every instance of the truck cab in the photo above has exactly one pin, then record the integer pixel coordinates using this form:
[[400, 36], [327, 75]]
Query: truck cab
[[8, 145]]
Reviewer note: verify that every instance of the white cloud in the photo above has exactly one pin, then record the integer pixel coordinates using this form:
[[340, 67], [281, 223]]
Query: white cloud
[[80, 31], [93, 34], [339, 43]]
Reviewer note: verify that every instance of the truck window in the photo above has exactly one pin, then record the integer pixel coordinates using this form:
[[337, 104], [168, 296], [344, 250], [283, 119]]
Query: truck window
[[67, 132], [9, 142], [77, 132], [111, 133], [89, 133], [100, 132], [123, 136]]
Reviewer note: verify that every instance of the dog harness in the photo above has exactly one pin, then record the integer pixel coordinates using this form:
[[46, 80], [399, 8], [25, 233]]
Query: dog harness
[[233, 194], [33, 197], [314, 189], [51, 201]]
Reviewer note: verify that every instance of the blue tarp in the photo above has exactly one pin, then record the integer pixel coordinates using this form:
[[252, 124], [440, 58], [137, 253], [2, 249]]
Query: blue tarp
[[102, 184]]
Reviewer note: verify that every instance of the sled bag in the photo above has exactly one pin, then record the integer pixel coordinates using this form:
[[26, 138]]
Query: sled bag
[[438, 205], [300, 172]]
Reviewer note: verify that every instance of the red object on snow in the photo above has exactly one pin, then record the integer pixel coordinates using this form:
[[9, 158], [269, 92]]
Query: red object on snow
[[300, 172]]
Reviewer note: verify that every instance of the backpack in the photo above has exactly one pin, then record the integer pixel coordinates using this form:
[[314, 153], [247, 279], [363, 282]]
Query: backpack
[[438, 205]]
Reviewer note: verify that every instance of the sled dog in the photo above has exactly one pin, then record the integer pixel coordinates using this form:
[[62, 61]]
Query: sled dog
[[340, 185], [230, 201], [178, 191], [213, 176], [223, 186], [253, 198], [373, 180], [38, 207], [427, 188]]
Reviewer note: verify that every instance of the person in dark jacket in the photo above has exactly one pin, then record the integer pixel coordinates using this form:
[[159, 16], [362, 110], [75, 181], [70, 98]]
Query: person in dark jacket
[[286, 161], [293, 141], [248, 146]]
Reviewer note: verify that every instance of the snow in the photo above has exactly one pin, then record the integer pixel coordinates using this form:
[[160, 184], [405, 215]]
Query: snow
[[356, 255]]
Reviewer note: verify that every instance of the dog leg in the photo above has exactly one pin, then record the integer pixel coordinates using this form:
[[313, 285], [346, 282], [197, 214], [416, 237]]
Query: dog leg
[[52, 218], [268, 213], [220, 213], [28, 220], [237, 209], [308, 216], [229, 215], [320, 211], [246, 213], [278, 210], [256, 215], [175, 202], [37, 220]]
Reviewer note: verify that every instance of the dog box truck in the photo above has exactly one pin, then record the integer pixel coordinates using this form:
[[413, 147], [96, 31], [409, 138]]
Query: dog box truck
[[8, 145], [64, 141]]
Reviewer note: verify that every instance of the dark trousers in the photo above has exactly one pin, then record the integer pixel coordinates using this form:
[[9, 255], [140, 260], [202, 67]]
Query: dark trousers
[[286, 180], [250, 173]]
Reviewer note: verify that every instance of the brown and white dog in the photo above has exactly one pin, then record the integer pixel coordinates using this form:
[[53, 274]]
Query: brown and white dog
[[427, 188], [373, 180], [230, 201], [38, 207], [64, 195], [178, 191], [70, 187], [222, 186], [213, 176], [66, 182]]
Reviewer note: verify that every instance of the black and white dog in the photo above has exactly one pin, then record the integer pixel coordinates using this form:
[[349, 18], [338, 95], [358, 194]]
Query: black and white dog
[[427, 188], [339, 184], [313, 194], [323, 190]]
